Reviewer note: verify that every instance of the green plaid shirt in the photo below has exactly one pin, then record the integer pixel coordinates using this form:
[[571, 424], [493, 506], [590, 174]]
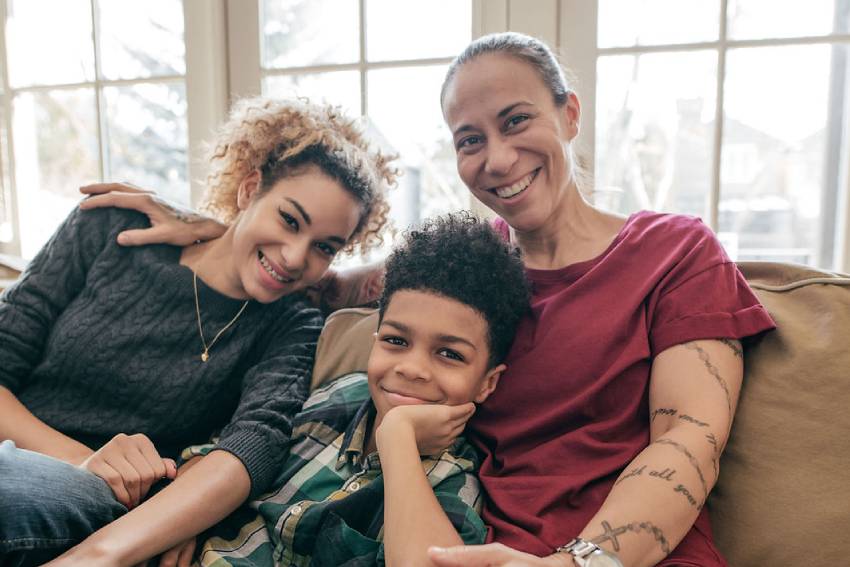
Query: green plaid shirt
[[328, 508]]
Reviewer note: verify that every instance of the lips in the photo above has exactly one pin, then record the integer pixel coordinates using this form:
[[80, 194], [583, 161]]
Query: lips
[[399, 398], [274, 270], [515, 188]]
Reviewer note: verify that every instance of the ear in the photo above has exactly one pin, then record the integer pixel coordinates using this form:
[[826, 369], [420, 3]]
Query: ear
[[571, 115], [491, 380], [248, 189]]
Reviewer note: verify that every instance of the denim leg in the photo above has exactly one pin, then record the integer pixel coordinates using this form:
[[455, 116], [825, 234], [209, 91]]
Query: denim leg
[[47, 505]]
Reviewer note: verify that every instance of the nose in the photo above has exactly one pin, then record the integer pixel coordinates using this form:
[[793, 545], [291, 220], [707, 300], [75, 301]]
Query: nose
[[501, 156], [414, 367], [295, 254]]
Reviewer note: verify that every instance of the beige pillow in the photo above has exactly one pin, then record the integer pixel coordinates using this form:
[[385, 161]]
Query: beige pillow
[[345, 344], [784, 492]]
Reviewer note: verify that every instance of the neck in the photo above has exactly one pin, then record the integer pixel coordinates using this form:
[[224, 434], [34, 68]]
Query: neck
[[212, 261], [575, 231]]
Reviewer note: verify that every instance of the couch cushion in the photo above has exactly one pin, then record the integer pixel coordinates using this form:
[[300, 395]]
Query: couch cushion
[[783, 497], [344, 344]]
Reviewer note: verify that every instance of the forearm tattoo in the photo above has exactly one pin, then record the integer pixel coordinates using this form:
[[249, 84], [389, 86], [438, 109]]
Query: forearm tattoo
[[694, 463], [610, 534], [706, 360]]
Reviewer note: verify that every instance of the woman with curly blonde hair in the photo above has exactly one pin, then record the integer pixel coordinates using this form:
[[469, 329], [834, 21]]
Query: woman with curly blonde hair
[[113, 358]]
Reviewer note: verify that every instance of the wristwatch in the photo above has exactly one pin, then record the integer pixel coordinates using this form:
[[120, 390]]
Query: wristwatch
[[587, 554]]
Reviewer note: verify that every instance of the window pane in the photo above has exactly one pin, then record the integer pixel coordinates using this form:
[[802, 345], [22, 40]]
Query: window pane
[[417, 29], [755, 19], [404, 106], [654, 131], [298, 33], [56, 151], [341, 87], [141, 39], [656, 22], [49, 42], [781, 151], [147, 137]]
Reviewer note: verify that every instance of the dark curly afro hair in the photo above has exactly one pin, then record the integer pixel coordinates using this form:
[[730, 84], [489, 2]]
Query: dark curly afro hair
[[461, 257]]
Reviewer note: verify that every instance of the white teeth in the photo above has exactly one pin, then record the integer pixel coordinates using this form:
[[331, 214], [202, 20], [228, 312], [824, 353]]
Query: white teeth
[[270, 270], [516, 188]]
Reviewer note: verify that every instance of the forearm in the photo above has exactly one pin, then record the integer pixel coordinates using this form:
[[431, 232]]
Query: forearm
[[657, 498], [28, 432], [413, 517], [210, 489]]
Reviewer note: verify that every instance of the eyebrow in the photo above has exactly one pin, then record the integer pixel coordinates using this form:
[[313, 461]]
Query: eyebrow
[[307, 219], [442, 338], [501, 114], [301, 210]]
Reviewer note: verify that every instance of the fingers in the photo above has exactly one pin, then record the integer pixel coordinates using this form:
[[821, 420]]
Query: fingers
[[185, 558], [467, 556], [115, 481], [169, 558], [142, 202], [170, 468], [102, 188]]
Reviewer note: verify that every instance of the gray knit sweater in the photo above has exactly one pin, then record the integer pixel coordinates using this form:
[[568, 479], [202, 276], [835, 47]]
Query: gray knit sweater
[[96, 339]]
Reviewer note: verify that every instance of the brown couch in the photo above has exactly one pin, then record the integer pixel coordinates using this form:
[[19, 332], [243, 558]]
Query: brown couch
[[783, 497]]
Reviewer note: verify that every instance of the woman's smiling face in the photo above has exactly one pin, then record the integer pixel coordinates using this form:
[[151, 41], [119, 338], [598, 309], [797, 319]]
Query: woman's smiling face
[[511, 140], [286, 236]]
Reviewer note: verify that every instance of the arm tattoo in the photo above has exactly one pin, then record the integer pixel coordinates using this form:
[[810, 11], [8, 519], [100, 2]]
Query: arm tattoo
[[734, 345], [662, 411], [610, 534], [693, 420], [634, 472], [694, 463], [703, 356], [714, 460]]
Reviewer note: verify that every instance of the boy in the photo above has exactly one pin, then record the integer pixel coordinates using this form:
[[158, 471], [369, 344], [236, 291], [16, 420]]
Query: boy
[[377, 472]]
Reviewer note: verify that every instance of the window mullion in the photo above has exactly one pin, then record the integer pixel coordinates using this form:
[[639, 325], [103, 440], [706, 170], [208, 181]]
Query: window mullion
[[13, 247], [714, 195], [364, 103], [100, 110]]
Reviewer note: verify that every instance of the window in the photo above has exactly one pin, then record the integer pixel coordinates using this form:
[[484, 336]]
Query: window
[[738, 116], [382, 59], [104, 98]]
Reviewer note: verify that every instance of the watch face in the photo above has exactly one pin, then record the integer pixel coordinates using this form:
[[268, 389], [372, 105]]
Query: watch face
[[602, 558]]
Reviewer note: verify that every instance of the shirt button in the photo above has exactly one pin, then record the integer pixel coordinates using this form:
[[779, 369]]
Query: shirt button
[[295, 510], [354, 486]]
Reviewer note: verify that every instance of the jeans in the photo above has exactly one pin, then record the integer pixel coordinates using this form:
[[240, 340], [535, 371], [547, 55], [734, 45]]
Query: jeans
[[47, 506]]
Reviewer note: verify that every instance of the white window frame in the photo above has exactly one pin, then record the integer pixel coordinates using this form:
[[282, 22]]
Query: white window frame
[[206, 97]]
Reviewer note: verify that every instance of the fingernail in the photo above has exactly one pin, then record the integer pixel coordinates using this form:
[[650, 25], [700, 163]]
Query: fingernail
[[122, 239], [435, 549]]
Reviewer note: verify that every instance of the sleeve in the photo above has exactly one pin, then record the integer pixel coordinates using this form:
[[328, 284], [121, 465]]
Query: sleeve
[[460, 498], [30, 307], [704, 296], [273, 390]]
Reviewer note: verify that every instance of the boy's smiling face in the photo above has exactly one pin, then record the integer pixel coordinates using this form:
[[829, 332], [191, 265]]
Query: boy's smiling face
[[430, 349]]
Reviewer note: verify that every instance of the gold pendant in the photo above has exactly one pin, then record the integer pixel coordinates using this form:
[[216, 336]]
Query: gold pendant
[[204, 356]]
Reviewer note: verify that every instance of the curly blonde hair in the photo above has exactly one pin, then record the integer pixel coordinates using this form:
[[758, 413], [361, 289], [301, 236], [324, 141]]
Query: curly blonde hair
[[279, 137]]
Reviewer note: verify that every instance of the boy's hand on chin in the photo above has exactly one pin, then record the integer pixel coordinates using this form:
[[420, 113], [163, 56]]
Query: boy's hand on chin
[[434, 427]]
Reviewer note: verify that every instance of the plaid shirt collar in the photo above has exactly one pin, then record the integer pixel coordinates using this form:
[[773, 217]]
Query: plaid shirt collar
[[356, 436]]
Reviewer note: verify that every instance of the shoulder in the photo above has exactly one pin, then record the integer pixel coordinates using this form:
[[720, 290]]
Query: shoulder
[[338, 401], [108, 218], [668, 239], [668, 227]]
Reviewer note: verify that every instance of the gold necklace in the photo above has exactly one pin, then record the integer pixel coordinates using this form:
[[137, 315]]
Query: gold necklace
[[205, 356]]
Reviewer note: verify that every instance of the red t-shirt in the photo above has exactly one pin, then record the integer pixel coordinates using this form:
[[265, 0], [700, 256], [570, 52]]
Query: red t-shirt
[[572, 410]]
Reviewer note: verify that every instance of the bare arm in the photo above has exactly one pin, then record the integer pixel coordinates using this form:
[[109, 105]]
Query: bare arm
[[413, 517], [28, 432], [694, 390], [198, 498]]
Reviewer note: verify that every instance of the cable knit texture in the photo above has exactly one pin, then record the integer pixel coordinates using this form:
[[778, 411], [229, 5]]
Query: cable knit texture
[[97, 339]]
